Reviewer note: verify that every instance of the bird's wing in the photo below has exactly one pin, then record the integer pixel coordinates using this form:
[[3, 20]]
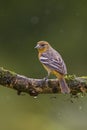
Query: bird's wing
[[54, 62]]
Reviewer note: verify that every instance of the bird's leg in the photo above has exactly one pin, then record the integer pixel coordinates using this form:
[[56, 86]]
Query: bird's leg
[[46, 78]]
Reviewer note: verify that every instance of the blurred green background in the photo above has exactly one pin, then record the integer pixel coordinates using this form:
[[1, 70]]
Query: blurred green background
[[63, 23]]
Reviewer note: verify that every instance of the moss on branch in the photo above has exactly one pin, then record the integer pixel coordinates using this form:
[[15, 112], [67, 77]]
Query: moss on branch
[[34, 87]]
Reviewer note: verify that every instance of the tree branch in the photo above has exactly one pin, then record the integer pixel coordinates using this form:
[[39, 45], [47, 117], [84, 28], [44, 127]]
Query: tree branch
[[34, 87]]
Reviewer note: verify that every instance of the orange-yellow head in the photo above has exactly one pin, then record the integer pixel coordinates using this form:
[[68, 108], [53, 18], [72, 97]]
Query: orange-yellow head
[[42, 46]]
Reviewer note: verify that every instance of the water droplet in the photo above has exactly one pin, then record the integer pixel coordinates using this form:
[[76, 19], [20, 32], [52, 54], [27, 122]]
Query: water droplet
[[35, 97]]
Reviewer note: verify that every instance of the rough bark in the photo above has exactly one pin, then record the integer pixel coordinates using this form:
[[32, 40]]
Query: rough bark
[[34, 87]]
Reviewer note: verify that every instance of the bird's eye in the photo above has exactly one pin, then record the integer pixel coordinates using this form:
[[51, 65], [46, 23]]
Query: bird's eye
[[42, 45]]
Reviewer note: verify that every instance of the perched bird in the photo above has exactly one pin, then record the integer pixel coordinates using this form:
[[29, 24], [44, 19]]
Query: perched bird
[[53, 63]]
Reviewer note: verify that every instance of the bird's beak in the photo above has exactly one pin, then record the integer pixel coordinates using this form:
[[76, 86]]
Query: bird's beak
[[37, 46]]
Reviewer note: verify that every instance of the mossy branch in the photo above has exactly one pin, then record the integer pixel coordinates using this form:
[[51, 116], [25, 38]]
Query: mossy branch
[[34, 87]]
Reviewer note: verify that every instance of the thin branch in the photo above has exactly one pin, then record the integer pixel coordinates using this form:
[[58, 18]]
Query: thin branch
[[34, 87]]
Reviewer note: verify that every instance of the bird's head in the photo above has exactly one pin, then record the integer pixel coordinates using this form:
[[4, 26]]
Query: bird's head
[[42, 46]]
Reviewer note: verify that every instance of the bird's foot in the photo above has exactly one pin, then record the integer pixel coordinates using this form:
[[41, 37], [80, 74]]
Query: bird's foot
[[45, 79]]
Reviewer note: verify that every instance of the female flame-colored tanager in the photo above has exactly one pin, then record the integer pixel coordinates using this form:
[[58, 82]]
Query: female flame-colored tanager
[[53, 63]]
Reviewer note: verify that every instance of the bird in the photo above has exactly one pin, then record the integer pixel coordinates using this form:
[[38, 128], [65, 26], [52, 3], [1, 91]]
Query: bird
[[53, 63]]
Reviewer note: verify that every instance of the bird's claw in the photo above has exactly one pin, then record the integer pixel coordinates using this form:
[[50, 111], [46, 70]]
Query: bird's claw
[[45, 79]]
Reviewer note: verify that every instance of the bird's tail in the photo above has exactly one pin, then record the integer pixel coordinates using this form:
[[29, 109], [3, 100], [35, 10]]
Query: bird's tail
[[63, 85]]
